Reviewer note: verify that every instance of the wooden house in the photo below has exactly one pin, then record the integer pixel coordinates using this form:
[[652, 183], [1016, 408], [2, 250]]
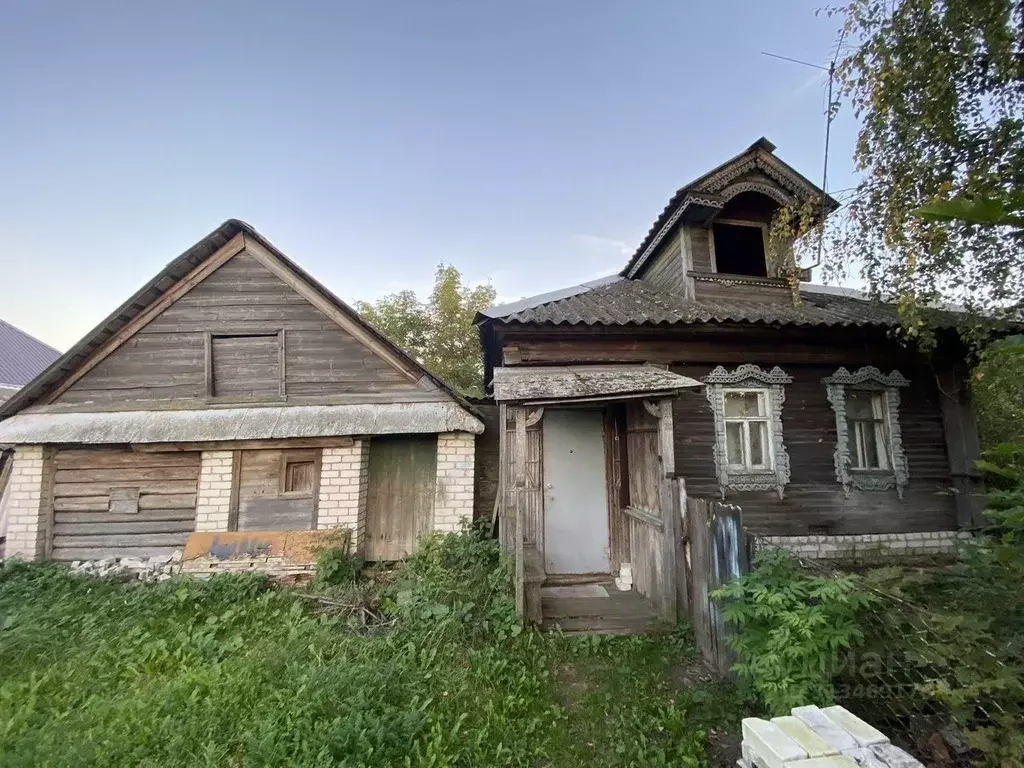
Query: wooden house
[[233, 392], [697, 363]]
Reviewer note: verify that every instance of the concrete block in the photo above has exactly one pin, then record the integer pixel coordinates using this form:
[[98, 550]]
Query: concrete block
[[832, 761], [801, 733], [866, 735], [894, 757], [825, 727], [771, 747]]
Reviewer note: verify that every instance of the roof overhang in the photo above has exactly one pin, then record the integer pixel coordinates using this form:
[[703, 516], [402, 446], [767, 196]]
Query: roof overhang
[[231, 424], [585, 383]]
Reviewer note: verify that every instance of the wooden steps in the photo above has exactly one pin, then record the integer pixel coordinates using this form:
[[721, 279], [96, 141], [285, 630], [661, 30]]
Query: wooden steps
[[597, 609]]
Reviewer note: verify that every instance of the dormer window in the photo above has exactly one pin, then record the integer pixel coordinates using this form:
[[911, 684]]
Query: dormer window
[[738, 247]]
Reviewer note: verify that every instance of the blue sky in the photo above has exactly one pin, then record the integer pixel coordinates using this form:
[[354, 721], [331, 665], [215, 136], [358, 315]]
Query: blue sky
[[528, 142]]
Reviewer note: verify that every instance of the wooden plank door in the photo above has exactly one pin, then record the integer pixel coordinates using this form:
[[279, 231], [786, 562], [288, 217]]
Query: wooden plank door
[[576, 494], [400, 498]]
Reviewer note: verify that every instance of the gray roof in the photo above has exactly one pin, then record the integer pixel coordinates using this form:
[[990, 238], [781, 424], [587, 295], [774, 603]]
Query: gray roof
[[636, 302], [584, 382], [22, 357], [173, 426]]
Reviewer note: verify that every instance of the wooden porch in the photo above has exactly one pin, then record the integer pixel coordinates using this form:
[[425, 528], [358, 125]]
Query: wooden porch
[[599, 608]]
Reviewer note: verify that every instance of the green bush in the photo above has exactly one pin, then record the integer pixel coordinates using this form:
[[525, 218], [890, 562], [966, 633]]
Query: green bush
[[336, 565], [790, 629], [998, 390]]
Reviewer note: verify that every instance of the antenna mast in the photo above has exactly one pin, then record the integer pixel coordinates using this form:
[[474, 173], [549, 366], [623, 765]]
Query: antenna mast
[[829, 114]]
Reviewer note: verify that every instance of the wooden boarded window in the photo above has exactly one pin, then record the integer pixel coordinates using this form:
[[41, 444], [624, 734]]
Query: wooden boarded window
[[297, 478], [245, 366]]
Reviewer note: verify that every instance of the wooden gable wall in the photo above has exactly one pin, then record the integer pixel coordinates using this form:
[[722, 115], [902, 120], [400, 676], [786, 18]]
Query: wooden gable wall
[[165, 364]]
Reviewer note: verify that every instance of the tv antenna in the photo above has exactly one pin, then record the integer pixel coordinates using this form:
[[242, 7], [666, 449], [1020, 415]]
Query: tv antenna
[[829, 115]]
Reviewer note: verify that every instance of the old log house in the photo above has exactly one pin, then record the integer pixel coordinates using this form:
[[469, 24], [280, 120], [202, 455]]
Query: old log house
[[233, 392], [697, 368]]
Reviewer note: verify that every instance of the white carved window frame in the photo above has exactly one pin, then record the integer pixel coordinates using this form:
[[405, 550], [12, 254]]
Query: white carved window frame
[[772, 383], [869, 379]]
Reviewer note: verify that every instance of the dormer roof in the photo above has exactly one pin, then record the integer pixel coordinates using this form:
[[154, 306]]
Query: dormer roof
[[755, 169]]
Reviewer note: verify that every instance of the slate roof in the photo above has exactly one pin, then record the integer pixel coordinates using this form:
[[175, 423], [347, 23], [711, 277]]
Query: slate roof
[[636, 302], [22, 357]]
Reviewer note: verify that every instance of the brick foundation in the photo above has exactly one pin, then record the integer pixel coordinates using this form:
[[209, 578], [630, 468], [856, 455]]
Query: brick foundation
[[868, 547], [453, 490], [213, 502], [25, 498], [344, 478]]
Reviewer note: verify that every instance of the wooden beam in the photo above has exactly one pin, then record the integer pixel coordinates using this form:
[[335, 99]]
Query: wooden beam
[[668, 498], [231, 248], [963, 446], [248, 445]]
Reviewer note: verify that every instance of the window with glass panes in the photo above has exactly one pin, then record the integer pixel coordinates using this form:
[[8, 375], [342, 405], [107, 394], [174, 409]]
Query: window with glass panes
[[746, 429], [865, 418]]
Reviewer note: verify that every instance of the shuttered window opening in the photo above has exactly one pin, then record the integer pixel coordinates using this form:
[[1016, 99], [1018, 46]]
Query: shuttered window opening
[[298, 478], [246, 366]]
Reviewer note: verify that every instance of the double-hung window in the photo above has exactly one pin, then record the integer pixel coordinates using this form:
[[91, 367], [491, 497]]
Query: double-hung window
[[869, 434], [750, 454], [869, 452], [747, 444]]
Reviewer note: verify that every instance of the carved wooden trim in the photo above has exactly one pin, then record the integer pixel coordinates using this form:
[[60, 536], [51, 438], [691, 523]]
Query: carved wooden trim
[[534, 416], [773, 383], [652, 408], [869, 378]]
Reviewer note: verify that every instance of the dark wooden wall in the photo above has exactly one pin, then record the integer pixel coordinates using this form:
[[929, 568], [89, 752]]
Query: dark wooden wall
[[262, 503], [665, 269], [166, 359], [83, 527], [487, 463], [814, 500]]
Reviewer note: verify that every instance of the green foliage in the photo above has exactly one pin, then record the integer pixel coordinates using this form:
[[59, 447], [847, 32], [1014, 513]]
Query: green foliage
[[791, 628], [936, 86], [439, 332], [336, 565], [950, 640], [233, 671], [998, 392]]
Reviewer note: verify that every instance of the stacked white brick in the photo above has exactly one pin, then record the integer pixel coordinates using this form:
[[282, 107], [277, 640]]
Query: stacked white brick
[[819, 738], [23, 498], [870, 546], [344, 478], [213, 502], [453, 489]]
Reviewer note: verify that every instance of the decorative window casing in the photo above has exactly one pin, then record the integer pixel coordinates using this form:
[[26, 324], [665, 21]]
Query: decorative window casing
[[869, 452], [750, 454]]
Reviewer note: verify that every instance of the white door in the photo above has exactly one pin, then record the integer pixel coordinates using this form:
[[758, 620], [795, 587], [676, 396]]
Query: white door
[[575, 492]]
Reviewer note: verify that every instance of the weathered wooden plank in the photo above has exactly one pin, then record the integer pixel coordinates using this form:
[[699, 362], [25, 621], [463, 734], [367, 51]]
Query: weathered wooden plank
[[66, 554], [127, 541], [400, 496], [102, 516], [107, 459], [169, 487], [126, 474], [261, 491], [72, 531]]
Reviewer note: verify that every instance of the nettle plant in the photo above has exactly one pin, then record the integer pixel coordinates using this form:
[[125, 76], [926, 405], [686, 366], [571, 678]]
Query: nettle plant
[[791, 629]]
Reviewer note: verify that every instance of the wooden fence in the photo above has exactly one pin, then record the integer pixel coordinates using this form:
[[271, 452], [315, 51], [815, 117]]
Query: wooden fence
[[714, 549]]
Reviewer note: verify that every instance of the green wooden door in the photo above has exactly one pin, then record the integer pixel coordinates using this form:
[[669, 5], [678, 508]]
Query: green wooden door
[[400, 500]]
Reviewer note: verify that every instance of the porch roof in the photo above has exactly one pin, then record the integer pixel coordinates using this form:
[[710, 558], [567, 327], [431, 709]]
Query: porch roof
[[220, 424], [585, 382]]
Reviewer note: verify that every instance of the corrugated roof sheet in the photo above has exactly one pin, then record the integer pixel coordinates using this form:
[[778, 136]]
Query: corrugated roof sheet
[[635, 302], [22, 357], [567, 382]]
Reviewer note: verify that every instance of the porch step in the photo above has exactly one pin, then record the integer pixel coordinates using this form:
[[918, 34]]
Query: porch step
[[597, 609]]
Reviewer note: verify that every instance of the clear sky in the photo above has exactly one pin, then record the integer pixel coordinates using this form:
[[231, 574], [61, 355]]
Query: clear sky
[[528, 142]]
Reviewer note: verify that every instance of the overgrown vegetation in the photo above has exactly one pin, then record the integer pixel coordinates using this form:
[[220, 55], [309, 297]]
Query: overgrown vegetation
[[235, 671], [792, 628]]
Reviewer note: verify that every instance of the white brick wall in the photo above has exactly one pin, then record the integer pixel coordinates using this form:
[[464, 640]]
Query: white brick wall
[[869, 546], [344, 477], [24, 499], [453, 491], [213, 503]]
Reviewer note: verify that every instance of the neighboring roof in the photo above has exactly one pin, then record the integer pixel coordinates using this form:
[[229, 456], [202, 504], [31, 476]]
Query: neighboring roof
[[584, 382], [501, 310], [215, 424], [164, 281], [636, 302], [22, 357], [701, 191]]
